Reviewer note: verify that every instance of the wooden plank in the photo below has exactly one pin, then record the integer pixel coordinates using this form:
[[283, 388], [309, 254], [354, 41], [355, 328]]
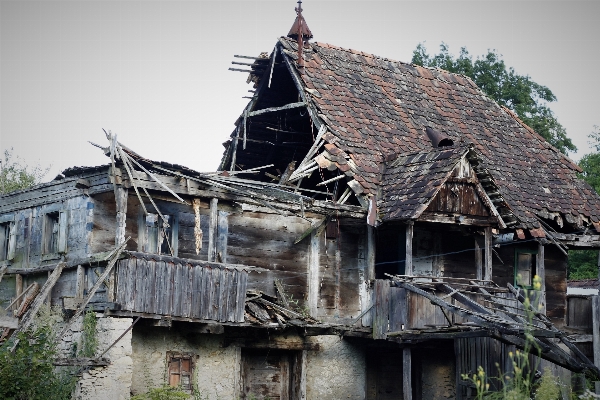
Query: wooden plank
[[241, 296], [207, 292], [9, 322], [212, 230], [398, 309], [161, 284], [18, 286], [140, 286], [406, 373], [272, 109], [196, 294], [370, 253], [232, 296], [488, 253], [222, 232], [541, 272], [63, 224], [313, 275], [150, 287], [169, 288], [224, 294], [121, 195], [177, 290], [382, 309], [596, 329], [478, 261], [409, 249]]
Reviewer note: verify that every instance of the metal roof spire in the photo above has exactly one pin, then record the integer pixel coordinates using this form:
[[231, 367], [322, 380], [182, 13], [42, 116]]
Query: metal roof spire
[[301, 33]]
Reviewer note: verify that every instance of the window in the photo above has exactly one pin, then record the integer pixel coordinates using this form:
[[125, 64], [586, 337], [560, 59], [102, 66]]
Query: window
[[7, 241], [54, 238], [525, 261], [158, 236], [180, 368]]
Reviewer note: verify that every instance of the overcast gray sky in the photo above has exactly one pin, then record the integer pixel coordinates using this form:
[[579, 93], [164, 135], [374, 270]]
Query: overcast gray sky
[[156, 72]]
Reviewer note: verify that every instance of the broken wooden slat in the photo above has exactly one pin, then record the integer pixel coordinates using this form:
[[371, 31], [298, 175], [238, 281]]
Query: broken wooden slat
[[272, 109], [39, 300]]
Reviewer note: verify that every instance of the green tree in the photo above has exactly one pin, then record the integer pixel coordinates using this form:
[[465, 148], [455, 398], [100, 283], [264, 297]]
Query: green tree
[[519, 93], [583, 264], [14, 175]]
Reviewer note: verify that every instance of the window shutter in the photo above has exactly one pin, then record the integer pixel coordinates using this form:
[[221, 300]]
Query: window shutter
[[62, 232], [12, 241], [174, 371]]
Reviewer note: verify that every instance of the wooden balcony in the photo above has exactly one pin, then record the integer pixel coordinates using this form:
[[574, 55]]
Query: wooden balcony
[[172, 287]]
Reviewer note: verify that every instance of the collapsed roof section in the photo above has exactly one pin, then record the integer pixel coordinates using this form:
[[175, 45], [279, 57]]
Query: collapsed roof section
[[347, 112]]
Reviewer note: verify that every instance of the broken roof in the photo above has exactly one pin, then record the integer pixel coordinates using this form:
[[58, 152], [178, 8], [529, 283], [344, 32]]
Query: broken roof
[[374, 107]]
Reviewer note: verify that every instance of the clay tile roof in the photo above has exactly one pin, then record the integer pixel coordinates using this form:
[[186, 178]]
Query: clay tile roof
[[382, 106], [414, 179]]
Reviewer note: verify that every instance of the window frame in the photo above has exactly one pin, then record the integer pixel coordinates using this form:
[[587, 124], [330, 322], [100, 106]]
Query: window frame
[[534, 254], [8, 238], [143, 234], [51, 220], [177, 357]]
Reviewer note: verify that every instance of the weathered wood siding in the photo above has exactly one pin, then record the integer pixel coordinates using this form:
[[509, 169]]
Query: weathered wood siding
[[556, 284], [267, 241], [29, 225], [459, 198], [181, 290], [579, 313]]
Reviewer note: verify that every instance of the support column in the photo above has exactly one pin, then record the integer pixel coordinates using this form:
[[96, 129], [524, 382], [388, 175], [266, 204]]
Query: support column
[[408, 269], [540, 270], [313, 274], [212, 230], [370, 253], [18, 289], [406, 373], [478, 261], [488, 254]]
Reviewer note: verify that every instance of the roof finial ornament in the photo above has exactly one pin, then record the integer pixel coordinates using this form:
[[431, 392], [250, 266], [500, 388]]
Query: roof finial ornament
[[301, 33]]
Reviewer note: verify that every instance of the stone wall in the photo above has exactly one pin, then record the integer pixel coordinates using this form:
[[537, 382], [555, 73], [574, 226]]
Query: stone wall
[[216, 372], [114, 380], [336, 371]]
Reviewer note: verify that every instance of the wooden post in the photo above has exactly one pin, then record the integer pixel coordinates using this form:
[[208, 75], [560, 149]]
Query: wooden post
[[370, 253], [49, 298], [596, 334], [18, 288], [478, 261], [212, 230], [121, 205], [541, 272], [80, 282], [408, 269], [406, 373], [313, 274], [382, 309], [488, 254]]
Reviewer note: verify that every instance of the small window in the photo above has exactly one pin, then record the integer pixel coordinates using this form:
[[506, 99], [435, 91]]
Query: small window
[[54, 239], [525, 261], [7, 241], [158, 235], [180, 369]]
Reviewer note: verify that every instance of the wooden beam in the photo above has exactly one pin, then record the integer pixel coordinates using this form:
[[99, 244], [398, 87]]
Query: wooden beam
[[313, 273], [487, 275], [408, 270], [212, 230], [541, 272], [407, 373], [478, 261], [370, 253], [272, 109], [18, 286]]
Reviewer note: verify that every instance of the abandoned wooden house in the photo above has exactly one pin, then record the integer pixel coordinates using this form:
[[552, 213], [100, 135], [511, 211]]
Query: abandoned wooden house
[[371, 233]]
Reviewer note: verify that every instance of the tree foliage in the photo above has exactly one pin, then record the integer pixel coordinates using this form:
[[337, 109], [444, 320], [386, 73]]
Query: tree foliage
[[583, 264], [14, 175], [28, 373], [519, 93]]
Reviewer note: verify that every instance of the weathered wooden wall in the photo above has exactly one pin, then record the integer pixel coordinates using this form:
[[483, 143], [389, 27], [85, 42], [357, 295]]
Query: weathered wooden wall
[[556, 284], [181, 290], [579, 313], [267, 241]]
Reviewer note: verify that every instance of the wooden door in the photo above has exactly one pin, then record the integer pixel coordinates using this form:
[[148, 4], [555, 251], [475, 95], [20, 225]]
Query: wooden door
[[266, 374]]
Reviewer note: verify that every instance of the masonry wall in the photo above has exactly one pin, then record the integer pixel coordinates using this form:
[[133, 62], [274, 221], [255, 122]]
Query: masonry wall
[[336, 371], [216, 369]]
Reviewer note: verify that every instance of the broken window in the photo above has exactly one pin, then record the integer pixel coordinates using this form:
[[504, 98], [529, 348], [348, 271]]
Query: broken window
[[525, 261], [180, 368], [158, 235], [54, 238], [7, 241]]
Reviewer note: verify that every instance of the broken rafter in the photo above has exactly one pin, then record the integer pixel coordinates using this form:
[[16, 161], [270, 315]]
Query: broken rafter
[[241, 70], [273, 109]]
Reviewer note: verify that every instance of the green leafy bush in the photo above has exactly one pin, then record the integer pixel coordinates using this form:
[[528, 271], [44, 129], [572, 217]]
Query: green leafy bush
[[162, 393]]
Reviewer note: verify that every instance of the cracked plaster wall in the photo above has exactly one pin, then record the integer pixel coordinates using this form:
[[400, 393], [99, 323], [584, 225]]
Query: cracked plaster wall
[[217, 367]]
